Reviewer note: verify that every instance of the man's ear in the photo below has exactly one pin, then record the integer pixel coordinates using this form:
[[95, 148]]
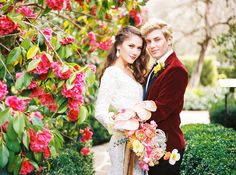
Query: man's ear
[[170, 41]]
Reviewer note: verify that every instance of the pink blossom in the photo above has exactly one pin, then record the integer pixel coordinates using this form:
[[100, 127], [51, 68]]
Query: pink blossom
[[15, 103], [78, 88], [55, 4], [92, 67], [26, 11], [47, 153], [85, 151], [105, 45], [26, 167], [138, 20], [53, 107], [58, 70], [143, 165], [43, 65], [3, 90], [92, 36], [36, 92], [67, 40], [47, 32], [133, 13], [86, 134], [37, 114], [7, 26], [75, 103], [46, 99]]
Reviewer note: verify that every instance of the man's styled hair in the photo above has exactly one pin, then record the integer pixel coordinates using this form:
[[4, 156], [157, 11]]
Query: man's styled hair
[[154, 24]]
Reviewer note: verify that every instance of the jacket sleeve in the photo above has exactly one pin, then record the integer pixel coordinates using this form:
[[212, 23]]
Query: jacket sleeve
[[171, 93], [104, 98]]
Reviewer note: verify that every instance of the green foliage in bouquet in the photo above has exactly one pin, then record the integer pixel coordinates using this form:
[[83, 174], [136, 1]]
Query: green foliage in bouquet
[[210, 150]]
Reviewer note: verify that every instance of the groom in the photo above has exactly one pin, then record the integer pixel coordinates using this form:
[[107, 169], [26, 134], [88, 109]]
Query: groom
[[166, 86]]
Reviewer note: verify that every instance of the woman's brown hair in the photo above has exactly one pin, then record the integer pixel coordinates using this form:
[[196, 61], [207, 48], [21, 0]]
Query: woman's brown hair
[[139, 67]]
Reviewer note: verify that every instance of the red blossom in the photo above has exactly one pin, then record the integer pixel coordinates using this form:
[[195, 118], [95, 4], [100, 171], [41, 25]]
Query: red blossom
[[75, 103], [36, 92], [67, 40], [85, 151], [55, 4], [138, 20], [53, 107], [37, 114], [86, 134], [7, 26], [3, 90], [47, 153], [26, 11], [43, 65], [26, 167], [58, 70], [46, 99], [80, 2], [15, 103], [73, 114], [105, 45], [133, 13]]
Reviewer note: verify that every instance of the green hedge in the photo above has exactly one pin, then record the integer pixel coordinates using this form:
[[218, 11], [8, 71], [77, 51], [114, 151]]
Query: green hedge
[[210, 150], [209, 73], [100, 134], [70, 161], [217, 113]]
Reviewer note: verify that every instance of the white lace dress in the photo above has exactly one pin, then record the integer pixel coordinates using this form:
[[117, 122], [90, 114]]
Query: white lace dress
[[121, 91]]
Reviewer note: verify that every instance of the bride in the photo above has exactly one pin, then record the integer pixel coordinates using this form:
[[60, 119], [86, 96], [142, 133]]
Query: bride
[[121, 87]]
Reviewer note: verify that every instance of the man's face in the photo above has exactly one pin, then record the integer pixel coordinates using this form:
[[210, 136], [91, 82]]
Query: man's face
[[157, 44]]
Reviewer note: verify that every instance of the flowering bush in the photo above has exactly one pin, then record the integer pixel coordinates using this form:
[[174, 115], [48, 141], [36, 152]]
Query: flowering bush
[[48, 49]]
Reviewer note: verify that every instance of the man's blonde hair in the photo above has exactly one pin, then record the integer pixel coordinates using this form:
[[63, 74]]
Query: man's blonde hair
[[157, 24]]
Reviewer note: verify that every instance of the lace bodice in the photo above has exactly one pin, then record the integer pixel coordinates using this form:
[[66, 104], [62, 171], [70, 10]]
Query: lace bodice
[[116, 89]]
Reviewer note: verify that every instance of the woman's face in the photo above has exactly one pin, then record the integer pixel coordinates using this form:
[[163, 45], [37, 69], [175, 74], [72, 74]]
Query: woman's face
[[130, 49]]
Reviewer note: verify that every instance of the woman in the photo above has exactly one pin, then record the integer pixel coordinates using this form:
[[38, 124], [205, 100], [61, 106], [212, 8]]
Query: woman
[[121, 87]]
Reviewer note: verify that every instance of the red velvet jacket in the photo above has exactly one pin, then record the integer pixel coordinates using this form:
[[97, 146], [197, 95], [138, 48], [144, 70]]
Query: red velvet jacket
[[167, 90]]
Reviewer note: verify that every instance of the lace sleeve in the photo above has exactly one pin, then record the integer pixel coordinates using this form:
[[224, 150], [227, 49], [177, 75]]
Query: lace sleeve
[[104, 98]]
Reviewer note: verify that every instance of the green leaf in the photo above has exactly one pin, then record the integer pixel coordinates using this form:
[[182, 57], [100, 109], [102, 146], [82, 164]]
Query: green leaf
[[13, 56], [69, 82], [26, 139], [90, 77], [18, 165], [11, 161], [11, 134], [62, 52], [33, 64], [68, 51], [13, 145], [38, 156], [4, 153], [23, 82], [19, 124], [83, 113], [26, 44], [53, 151], [32, 51], [4, 116], [37, 121], [34, 164]]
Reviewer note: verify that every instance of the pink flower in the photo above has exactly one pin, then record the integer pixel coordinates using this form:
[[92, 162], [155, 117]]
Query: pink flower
[[55, 4], [3, 90], [58, 70], [84, 151], [92, 67], [86, 134], [4, 126], [76, 91], [7, 26], [138, 20], [47, 153], [36, 92], [46, 99], [26, 167], [105, 45], [15, 103], [73, 114], [133, 13], [37, 114], [92, 36], [53, 107], [143, 165], [47, 32], [43, 65], [33, 83], [75, 103], [67, 40], [26, 11]]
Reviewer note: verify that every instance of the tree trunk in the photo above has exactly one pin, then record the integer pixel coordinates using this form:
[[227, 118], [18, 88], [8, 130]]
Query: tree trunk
[[196, 74]]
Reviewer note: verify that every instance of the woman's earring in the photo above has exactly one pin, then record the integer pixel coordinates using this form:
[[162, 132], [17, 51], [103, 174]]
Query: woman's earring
[[117, 53]]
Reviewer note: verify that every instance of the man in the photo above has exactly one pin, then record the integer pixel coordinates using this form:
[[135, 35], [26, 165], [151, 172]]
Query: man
[[166, 86]]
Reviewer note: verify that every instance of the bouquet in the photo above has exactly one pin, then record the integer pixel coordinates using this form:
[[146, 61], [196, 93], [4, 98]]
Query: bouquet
[[144, 139]]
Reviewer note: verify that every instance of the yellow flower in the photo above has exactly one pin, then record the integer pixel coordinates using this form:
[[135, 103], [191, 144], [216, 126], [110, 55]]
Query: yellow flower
[[137, 146], [158, 67]]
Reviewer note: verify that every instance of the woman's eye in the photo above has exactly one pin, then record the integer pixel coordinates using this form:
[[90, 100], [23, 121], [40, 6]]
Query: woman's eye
[[131, 46]]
